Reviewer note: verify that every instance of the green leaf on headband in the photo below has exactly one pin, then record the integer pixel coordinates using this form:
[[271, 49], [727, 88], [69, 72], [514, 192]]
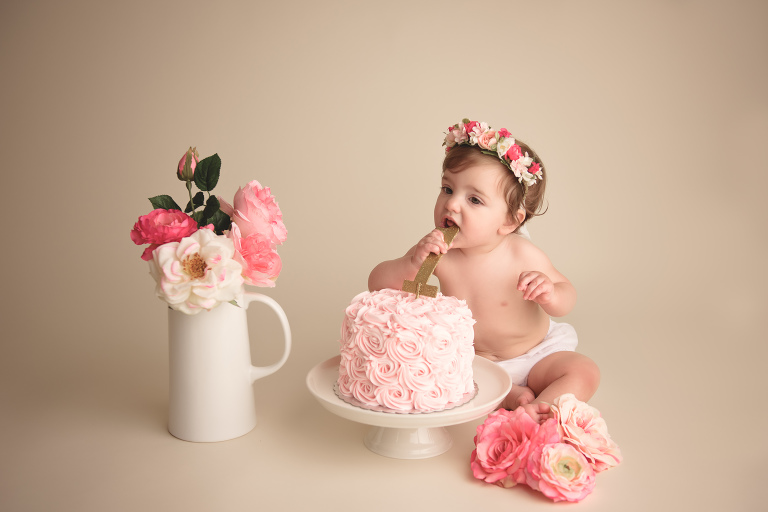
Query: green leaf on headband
[[207, 172], [165, 202], [197, 201]]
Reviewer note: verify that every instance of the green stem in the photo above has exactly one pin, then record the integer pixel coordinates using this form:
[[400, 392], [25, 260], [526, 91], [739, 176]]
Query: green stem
[[189, 189]]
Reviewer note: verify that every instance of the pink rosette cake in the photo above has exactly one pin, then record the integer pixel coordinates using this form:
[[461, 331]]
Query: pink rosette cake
[[406, 353]]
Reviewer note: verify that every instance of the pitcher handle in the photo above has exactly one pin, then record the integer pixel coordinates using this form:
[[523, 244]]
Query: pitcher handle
[[263, 371]]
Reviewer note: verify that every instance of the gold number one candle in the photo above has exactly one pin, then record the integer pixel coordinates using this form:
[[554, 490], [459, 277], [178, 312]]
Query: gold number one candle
[[419, 285]]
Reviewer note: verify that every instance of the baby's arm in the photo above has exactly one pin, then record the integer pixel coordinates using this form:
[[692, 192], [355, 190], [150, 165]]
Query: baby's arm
[[546, 286], [392, 273]]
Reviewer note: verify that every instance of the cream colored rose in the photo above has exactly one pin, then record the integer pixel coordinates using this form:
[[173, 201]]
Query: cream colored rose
[[584, 428], [488, 140], [197, 273]]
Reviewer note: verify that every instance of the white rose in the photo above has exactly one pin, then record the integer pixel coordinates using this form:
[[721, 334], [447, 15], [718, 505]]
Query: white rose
[[197, 273], [503, 146]]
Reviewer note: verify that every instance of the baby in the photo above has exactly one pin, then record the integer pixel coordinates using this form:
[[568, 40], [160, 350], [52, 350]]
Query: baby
[[491, 185]]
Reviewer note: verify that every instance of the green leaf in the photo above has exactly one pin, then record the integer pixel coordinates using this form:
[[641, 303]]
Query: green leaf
[[207, 172], [221, 222], [165, 202], [197, 201], [211, 207]]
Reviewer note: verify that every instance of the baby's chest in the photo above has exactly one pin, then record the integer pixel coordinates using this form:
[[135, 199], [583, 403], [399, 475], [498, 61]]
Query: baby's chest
[[482, 285]]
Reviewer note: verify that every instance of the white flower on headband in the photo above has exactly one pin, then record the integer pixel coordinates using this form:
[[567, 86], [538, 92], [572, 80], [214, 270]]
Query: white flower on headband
[[504, 146], [498, 143]]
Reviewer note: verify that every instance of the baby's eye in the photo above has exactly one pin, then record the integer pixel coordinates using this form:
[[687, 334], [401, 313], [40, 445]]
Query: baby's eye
[[446, 190], [475, 200]]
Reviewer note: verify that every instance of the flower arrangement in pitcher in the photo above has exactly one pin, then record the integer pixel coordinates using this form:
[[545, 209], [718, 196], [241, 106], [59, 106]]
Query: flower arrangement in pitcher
[[204, 255]]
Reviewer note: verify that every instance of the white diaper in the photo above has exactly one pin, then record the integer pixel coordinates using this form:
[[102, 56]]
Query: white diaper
[[560, 338]]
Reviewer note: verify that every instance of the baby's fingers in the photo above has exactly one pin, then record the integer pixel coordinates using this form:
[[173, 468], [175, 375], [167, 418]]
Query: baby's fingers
[[435, 242], [525, 279]]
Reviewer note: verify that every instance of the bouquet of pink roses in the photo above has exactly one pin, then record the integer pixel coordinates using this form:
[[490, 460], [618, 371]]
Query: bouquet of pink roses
[[559, 458], [204, 255]]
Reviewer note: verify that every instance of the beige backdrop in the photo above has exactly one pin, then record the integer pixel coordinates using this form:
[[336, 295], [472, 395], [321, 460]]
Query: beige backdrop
[[651, 117]]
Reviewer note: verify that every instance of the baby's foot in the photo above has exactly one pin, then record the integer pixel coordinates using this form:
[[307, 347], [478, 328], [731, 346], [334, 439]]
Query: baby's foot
[[540, 411], [518, 395]]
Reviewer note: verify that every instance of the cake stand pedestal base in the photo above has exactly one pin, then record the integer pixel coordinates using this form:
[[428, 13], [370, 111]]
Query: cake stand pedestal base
[[412, 436], [408, 443]]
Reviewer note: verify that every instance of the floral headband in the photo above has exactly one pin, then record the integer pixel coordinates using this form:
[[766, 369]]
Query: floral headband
[[498, 143]]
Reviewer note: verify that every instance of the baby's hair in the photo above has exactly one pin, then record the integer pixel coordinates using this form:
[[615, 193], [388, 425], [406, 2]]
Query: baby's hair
[[461, 157]]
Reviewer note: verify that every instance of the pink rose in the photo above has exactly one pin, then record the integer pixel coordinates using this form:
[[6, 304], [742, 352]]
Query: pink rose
[[504, 133], [584, 428], [470, 126], [513, 153], [503, 443], [255, 211], [560, 472], [261, 263], [534, 168], [187, 164], [488, 140], [160, 227]]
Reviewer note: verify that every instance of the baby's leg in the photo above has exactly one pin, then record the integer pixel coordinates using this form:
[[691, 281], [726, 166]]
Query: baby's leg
[[564, 372]]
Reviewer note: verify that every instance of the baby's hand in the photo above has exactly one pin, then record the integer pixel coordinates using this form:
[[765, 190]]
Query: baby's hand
[[536, 286], [434, 242]]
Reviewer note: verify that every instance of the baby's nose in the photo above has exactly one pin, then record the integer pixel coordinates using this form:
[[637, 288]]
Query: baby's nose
[[452, 205]]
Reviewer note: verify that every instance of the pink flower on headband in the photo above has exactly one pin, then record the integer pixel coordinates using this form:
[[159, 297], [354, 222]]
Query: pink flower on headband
[[535, 168], [470, 126], [513, 153], [456, 135], [488, 140], [504, 133]]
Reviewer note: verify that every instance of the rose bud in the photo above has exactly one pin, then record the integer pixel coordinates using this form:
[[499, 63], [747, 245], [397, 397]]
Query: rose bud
[[187, 164]]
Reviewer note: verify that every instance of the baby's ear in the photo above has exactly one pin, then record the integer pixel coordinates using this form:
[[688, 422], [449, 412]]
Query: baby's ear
[[512, 222]]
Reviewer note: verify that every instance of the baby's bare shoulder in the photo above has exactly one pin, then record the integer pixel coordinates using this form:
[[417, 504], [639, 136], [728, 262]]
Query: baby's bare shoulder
[[523, 248]]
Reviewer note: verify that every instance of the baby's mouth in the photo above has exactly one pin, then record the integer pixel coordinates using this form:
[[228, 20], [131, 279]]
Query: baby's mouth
[[448, 223]]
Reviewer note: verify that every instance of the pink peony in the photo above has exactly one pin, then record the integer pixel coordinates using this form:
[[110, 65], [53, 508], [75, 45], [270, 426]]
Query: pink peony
[[255, 211], [534, 168], [261, 263], [583, 427], [560, 472], [504, 133], [160, 227], [503, 443]]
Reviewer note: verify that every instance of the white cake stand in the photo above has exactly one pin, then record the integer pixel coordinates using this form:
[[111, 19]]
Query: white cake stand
[[411, 436]]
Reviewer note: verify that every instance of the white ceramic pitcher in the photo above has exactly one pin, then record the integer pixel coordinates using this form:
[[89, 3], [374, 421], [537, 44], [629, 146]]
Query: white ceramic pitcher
[[211, 374]]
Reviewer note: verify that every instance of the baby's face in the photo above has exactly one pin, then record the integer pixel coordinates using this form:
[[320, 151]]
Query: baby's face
[[473, 200]]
